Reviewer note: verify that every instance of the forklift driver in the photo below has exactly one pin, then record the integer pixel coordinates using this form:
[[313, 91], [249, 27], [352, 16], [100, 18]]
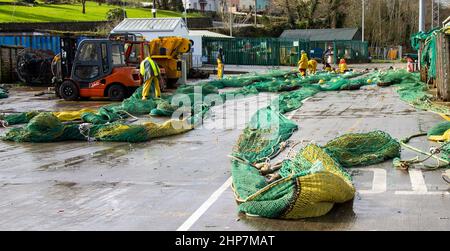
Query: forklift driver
[[150, 76]]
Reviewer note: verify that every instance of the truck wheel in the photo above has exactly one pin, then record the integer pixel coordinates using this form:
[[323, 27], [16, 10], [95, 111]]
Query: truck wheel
[[116, 92], [68, 90]]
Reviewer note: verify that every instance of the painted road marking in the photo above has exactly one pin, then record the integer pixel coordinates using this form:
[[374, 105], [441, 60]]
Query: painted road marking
[[379, 183], [202, 209], [418, 185]]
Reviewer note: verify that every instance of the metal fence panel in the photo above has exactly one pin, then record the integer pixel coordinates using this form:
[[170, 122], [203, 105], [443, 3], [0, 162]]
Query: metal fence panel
[[352, 51], [277, 52]]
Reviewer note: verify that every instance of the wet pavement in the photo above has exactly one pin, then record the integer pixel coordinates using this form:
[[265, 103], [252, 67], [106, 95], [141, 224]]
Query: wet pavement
[[182, 182]]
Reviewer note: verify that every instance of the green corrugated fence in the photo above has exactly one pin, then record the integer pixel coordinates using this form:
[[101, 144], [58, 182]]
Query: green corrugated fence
[[276, 51]]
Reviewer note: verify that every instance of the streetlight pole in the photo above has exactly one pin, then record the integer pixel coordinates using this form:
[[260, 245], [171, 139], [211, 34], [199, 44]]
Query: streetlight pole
[[422, 11], [185, 13], [231, 23], [256, 13], [363, 18]]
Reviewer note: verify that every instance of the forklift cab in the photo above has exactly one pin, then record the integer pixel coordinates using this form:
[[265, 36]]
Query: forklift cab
[[95, 59], [99, 69]]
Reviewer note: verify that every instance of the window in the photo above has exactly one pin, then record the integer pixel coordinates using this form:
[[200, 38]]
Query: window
[[88, 52], [195, 6], [86, 72], [118, 57], [146, 52], [105, 62], [134, 54]]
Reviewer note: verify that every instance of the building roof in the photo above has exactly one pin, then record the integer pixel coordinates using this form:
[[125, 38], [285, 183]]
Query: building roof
[[206, 33], [322, 34], [148, 24]]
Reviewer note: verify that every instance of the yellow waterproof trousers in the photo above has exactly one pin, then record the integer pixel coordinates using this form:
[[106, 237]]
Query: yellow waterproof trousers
[[220, 67], [152, 83]]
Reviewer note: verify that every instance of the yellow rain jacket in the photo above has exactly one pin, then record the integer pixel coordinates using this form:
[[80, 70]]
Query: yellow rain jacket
[[343, 66], [312, 66], [303, 63]]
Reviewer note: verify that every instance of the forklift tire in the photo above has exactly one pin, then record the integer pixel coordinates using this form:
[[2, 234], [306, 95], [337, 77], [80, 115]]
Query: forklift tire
[[116, 92], [69, 90]]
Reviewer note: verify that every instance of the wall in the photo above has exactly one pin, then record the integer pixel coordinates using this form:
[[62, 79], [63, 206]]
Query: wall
[[245, 4], [60, 26], [211, 5]]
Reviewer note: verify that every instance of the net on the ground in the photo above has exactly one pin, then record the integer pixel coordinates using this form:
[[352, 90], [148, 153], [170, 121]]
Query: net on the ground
[[3, 93]]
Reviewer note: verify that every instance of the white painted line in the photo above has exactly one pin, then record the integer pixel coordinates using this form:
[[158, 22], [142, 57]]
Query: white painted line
[[202, 209], [418, 185], [379, 183], [422, 193], [417, 181]]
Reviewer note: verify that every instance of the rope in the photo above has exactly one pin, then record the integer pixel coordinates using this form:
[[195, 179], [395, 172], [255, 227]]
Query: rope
[[85, 130], [406, 164], [4, 123], [446, 176]]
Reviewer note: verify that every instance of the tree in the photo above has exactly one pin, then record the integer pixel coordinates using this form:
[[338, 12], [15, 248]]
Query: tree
[[83, 3], [177, 5]]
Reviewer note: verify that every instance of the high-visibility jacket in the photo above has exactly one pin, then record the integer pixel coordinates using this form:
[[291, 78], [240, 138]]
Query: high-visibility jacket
[[303, 63], [149, 69], [343, 66]]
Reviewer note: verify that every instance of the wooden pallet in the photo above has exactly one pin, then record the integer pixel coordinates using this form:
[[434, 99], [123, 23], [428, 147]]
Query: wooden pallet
[[443, 67]]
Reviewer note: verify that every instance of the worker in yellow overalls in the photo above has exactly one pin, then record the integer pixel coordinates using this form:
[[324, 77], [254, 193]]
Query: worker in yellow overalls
[[220, 65], [312, 66], [150, 76], [303, 64], [343, 68]]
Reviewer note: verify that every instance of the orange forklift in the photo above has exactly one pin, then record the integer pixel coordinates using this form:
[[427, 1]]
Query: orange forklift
[[110, 67]]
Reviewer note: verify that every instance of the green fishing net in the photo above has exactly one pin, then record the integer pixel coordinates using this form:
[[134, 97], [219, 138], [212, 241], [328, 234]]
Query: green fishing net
[[446, 152], [263, 135], [363, 149], [3, 93], [439, 129]]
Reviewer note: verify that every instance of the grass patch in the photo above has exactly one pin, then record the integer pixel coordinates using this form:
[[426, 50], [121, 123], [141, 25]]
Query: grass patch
[[72, 12]]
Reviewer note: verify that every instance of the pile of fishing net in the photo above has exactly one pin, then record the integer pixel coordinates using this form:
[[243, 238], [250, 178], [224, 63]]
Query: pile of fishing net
[[428, 54], [308, 184], [358, 149], [3, 92], [46, 127], [440, 132]]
